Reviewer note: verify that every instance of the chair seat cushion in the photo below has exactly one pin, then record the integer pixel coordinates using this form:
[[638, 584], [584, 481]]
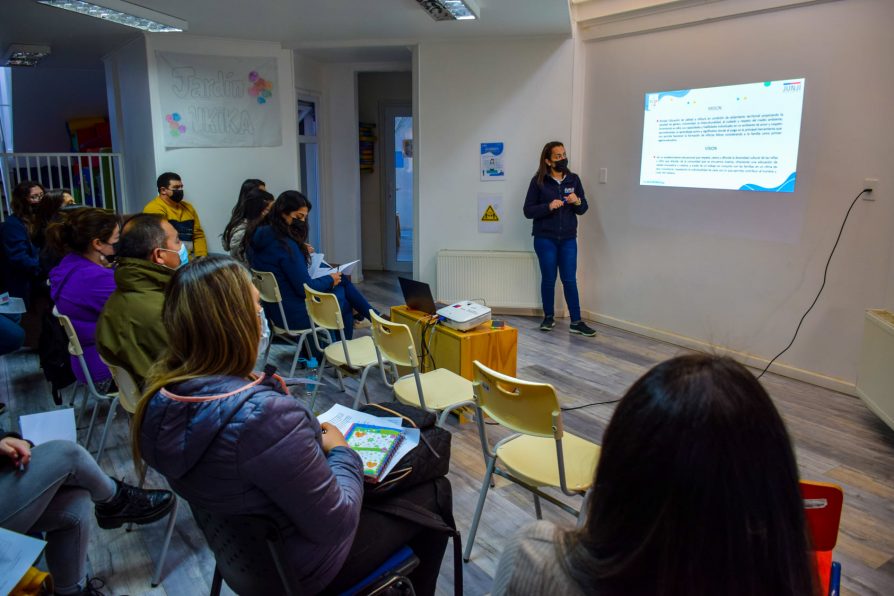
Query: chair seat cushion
[[442, 389], [533, 459], [361, 350]]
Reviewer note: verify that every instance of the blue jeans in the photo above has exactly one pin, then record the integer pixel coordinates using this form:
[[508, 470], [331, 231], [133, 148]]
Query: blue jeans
[[12, 336], [350, 299], [558, 256]]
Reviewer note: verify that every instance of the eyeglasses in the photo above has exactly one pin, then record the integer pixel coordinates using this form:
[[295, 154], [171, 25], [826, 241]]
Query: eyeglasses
[[38, 197], [176, 187]]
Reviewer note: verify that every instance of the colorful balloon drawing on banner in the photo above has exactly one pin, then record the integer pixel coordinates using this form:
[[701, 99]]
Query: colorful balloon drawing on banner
[[177, 129], [261, 88]]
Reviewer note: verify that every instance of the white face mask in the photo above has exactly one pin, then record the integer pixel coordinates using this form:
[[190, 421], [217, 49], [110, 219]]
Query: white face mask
[[265, 334]]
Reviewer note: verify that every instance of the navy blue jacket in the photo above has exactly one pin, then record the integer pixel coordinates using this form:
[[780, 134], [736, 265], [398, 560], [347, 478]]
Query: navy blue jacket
[[287, 264], [236, 447], [561, 223], [21, 258]]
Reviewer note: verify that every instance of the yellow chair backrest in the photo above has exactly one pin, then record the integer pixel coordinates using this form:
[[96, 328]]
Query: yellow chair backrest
[[394, 340], [323, 309], [74, 345], [128, 393], [266, 284], [522, 406]]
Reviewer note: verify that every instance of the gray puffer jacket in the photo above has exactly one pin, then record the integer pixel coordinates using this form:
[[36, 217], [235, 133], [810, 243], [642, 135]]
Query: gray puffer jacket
[[237, 447]]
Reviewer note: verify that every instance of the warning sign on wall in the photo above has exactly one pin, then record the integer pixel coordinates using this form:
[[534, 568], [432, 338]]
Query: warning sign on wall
[[490, 213]]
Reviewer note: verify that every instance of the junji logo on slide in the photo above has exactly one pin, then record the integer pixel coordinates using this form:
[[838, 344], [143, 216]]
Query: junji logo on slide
[[737, 137]]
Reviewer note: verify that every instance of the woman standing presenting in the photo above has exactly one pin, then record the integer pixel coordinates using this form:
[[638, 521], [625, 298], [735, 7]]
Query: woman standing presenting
[[555, 199]]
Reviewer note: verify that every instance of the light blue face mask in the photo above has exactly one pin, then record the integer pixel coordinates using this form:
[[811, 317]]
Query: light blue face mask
[[265, 334], [183, 253]]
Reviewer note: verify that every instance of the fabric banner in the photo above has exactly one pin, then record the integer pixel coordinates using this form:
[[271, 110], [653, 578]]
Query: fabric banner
[[218, 101]]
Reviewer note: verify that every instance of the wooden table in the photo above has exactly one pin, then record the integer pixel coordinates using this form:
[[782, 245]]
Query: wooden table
[[456, 350]]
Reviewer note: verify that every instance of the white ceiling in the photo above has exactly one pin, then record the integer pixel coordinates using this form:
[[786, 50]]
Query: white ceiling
[[78, 40]]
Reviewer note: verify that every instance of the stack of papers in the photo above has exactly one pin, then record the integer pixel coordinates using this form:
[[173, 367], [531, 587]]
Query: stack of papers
[[17, 554], [54, 425], [344, 418], [318, 267]]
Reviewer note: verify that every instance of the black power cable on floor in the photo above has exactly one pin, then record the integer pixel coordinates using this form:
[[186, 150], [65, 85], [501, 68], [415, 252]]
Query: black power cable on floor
[[825, 274], [598, 403]]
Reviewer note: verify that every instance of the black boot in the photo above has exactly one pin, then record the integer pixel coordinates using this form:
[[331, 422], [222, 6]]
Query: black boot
[[133, 505]]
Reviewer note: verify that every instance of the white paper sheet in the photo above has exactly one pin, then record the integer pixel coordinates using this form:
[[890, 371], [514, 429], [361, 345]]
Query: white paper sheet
[[49, 426], [17, 553], [13, 306], [343, 417]]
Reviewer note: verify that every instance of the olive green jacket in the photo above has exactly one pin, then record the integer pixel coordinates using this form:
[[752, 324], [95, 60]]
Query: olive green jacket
[[130, 333]]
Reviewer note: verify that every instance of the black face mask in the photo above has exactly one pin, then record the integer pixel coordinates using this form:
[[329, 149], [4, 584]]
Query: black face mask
[[177, 195], [561, 165], [299, 228]]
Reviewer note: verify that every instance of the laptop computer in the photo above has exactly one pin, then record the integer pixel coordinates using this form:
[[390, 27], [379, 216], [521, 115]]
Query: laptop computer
[[417, 295]]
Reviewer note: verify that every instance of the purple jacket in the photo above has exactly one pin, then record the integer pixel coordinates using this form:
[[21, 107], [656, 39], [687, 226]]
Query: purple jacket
[[80, 288], [236, 447]]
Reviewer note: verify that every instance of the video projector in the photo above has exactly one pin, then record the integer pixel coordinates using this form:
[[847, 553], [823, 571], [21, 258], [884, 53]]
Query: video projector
[[464, 315]]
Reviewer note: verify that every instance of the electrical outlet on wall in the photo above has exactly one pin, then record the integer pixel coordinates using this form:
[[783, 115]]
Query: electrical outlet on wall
[[869, 184]]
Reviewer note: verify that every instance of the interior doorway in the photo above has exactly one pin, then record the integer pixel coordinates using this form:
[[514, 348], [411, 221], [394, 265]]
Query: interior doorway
[[397, 163], [309, 158]]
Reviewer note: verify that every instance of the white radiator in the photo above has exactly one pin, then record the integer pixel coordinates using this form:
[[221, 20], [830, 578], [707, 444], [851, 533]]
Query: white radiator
[[503, 279]]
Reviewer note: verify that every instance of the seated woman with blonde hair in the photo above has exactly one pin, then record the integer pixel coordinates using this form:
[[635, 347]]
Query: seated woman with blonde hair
[[696, 493], [235, 443]]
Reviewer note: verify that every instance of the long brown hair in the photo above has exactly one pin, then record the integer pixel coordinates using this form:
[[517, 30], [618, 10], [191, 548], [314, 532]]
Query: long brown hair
[[696, 491], [21, 206], [212, 322], [79, 227], [547, 152]]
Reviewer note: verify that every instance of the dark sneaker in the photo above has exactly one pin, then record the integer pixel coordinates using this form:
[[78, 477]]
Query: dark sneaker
[[547, 324], [581, 328], [133, 505]]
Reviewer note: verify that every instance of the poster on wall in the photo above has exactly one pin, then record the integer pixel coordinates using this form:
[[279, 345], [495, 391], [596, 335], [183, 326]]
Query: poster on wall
[[490, 213], [492, 162], [218, 101]]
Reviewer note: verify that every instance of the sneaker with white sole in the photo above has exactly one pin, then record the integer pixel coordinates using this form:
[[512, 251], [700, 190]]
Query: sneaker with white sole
[[547, 324], [581, 328]]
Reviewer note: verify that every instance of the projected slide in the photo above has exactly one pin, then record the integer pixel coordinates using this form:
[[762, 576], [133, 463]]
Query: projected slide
[[738, 137]]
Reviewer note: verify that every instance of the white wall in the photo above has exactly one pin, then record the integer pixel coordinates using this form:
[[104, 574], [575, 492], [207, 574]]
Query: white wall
[[128, 99], [44, 99], [727, 277], [375, 88], [212, 176], [517, 91]]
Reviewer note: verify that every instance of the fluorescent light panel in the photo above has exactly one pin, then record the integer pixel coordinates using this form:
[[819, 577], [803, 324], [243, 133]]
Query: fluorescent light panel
[[122, 13], [450, 10]]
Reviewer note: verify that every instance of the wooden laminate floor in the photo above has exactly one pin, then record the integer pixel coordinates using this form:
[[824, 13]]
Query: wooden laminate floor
[[837, 439]]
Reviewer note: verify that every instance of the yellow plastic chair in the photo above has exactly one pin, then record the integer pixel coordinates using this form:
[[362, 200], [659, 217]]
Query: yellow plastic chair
[[440, 391], [129, 396], [268, 288], [75, 349], [539, 453], [353, 355]]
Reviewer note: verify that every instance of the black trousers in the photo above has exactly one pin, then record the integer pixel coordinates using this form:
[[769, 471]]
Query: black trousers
[[380, 535]]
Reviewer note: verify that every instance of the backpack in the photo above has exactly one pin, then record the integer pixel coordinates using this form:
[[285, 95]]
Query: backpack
[[55, 360], [429, 460]]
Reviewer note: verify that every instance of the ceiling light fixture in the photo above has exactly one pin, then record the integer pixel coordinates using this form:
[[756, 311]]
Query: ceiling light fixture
[[450, 10], [19, 54], [123, 13]]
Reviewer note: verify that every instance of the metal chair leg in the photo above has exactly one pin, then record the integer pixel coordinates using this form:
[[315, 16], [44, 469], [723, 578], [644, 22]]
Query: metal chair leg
[[361, 389], [105, 431], [491, 464], [83, 407], [216, 583], [169, 531], [91, 426], [297, 355], [537, 510]]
